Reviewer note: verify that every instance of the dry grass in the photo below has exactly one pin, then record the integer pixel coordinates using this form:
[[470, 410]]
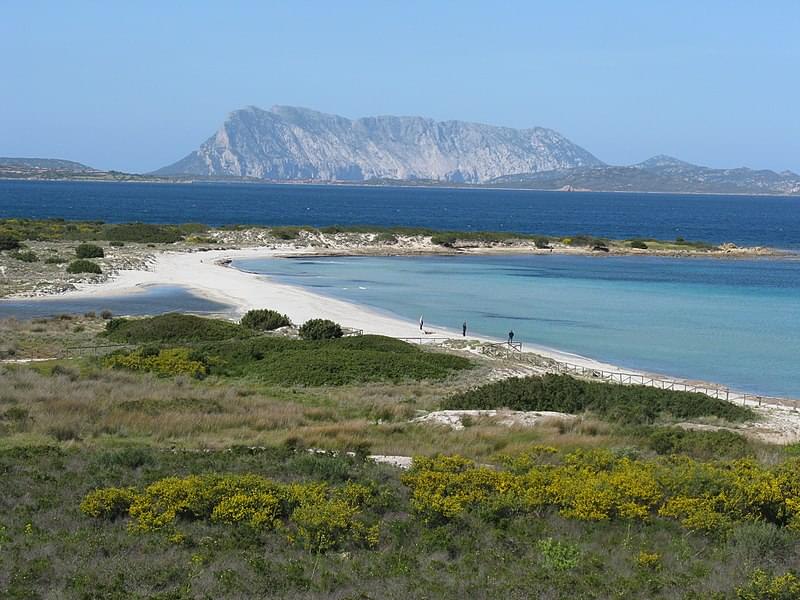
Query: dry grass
[[46, 338], [73, 402]]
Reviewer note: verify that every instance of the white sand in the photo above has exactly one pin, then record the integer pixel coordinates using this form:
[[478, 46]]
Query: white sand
[[201, 273]]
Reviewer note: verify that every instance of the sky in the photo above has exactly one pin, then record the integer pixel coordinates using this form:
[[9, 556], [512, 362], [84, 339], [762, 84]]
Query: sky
[[134, 86]]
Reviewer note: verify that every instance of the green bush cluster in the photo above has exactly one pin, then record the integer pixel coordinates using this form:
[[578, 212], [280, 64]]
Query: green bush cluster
[[288, 232], [171, 328], [320, 329], [623, 403], [89, 251], [84, 266], [166, 362], [697, 444], [588, 241], [264, 320], [329, 362], [317, 516], [27, 256], [235, 351], [638, 244], [143, 233], [59, 229], [8, 242], [448, 240], [597, 485]]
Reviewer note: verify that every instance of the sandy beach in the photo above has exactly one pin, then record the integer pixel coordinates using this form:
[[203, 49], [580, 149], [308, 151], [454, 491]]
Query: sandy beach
[[208, 274]]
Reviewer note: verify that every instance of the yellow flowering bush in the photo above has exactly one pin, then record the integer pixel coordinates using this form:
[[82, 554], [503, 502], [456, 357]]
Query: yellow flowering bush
[[108, 503], [762, 586], [648, 560], [166, 362], [596, 485], [318, 516]]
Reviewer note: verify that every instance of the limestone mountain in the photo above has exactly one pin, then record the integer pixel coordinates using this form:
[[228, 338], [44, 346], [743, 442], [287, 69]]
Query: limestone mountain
[[289, 143]]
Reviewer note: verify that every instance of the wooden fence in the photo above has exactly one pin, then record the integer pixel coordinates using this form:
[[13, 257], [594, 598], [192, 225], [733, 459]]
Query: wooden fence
[[719, 392]]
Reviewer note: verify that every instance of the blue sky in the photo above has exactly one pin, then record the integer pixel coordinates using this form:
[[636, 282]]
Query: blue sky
[[134, 86]]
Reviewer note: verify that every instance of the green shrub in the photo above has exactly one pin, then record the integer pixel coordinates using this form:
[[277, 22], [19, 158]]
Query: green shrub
[[142, 232], [84, 266], [116, 244], [172, 327], [320, 329], [287, 233], [447, 240], [27, 256], [638, 244], [55, 260], [697, 444], [264, 320], [557, 555], [386, 237], [8, 243], [329, 362], [89, 251], [542, 243], [623, 403]]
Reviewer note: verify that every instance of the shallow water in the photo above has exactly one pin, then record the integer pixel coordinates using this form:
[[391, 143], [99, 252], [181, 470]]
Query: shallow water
[[735, 322], [150, 300]]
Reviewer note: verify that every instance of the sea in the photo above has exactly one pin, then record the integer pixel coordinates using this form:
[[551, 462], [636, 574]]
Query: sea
[[735, 322]]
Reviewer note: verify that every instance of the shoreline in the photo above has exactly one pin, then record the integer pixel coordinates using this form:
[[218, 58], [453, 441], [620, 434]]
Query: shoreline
[[399, 184], [209, 274]]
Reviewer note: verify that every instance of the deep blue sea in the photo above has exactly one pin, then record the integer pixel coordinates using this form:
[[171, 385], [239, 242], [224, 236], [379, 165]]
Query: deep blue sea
[[734, 322], [744, 220]]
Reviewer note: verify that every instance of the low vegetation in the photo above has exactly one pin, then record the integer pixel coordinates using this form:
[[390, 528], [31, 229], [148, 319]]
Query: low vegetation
[[320, 329], [59, 229], [598, 485], [84, 266], [172, 328], [136, 522], [265, 320], [27, 256], [89, 251], [8, 242], [208, 459], [622, 403]]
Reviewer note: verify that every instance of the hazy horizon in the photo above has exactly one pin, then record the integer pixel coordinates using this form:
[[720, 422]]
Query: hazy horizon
[[137, 88]]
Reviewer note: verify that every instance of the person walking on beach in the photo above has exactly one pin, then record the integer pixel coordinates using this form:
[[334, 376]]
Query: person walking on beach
[[464, 329], [510, 337], [421, 322]]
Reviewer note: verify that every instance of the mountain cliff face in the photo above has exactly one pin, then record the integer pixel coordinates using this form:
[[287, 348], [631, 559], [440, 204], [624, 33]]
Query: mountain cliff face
[[659, 174], [287, 143]]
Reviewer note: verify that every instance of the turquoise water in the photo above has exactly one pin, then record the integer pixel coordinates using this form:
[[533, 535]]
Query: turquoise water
[[735, 322]]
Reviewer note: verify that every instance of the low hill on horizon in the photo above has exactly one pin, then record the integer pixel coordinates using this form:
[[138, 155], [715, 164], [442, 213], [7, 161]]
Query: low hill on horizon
[[52, 164], [658, 174]]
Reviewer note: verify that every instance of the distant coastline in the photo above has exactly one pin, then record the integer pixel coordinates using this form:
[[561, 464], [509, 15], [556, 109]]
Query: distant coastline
[[108, 177]]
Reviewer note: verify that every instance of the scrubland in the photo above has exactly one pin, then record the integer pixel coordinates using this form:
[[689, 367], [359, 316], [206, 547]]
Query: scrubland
[[190, 458]]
